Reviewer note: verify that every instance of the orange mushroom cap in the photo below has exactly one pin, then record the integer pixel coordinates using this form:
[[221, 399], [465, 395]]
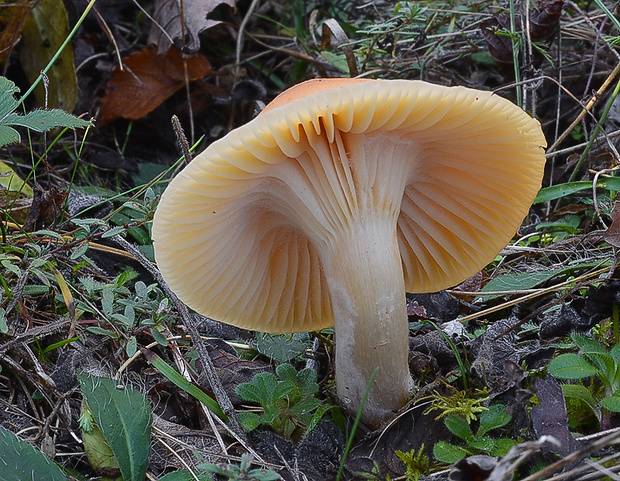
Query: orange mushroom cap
[[241, 234]]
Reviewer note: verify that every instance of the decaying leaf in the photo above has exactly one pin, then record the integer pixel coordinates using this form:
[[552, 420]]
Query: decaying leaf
[[550, 417], [148, 79], [11, 24], [612, 236], [544, 22], [44, 31], [11, 182], [46, 207], [168, 26]]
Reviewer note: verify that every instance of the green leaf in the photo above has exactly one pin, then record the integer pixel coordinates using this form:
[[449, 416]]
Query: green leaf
[[185, 475], [318, 415], [263, 475], [306, 406], [448, 453], [102, 331], [260, 390], [8, 102], [8, 135], [249, 421], [577, 391], [124, 417], [286, 372], [571, 366], [113, 231], [587, 345], [612, 403], [484, 444], [306, 382], [132, 346], [561, 190], [42, 120], [264, 389], [281, 347], [158, 336], [493, 418], [517, 281], [4, 328], [502, 446], [459, 427], [176, 378], [22, 461]]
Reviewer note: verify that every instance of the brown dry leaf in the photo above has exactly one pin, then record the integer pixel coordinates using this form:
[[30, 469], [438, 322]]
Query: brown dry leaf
[[148, 79], [167, 16], [11, 24], [46, 207], [545, 22], [612, 236], [44, 32]]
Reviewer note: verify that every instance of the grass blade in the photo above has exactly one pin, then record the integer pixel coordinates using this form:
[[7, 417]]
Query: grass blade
[[173, 376]]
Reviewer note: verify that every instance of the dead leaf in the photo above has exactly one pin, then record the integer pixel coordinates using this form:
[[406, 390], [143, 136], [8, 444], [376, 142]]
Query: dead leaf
[[167, 16], [612, 236], [148, 79], [545, 22], [44, 31], [500, 46], [46, 207], [550, 417], [11, 24]]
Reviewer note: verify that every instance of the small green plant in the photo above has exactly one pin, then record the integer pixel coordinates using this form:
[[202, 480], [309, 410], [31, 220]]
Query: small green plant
[[417, 464], [40, 120], [460, 403], [595, 361], [479, 443], [282, 347], [241, 472], [123, 419], [288, 403]]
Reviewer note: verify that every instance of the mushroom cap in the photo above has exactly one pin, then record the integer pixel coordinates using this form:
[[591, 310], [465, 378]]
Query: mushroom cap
[[241, 233]]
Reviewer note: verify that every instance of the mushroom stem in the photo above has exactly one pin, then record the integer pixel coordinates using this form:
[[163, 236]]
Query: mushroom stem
[[365, 279]]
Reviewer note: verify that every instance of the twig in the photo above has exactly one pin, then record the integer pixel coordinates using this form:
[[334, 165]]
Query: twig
[[586, 108], [533, 295], [239, 46], [613, 438]]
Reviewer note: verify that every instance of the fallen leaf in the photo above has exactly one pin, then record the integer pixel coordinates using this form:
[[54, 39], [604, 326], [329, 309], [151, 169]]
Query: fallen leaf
[[148, 79], [44, 31], [168, 27], [11, 182], [550, 417], [612, 236], [46, 207], [11, 24], [544, 23], [500, 46]]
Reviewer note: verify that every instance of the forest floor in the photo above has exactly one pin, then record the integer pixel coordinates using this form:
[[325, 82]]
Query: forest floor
[[103, 372]]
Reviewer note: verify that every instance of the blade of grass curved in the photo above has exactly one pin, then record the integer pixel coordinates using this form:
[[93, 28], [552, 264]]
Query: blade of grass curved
[[561, 190], [124, 417], [173, 376]]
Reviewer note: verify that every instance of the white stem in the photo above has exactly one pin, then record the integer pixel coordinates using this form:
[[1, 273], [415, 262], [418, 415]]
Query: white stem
[[367, 291]]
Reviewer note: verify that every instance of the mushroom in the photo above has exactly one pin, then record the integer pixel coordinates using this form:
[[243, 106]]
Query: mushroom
[[342, 195]]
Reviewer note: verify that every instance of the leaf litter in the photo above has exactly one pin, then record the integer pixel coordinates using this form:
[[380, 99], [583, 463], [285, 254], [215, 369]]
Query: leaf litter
[[134, 69]]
